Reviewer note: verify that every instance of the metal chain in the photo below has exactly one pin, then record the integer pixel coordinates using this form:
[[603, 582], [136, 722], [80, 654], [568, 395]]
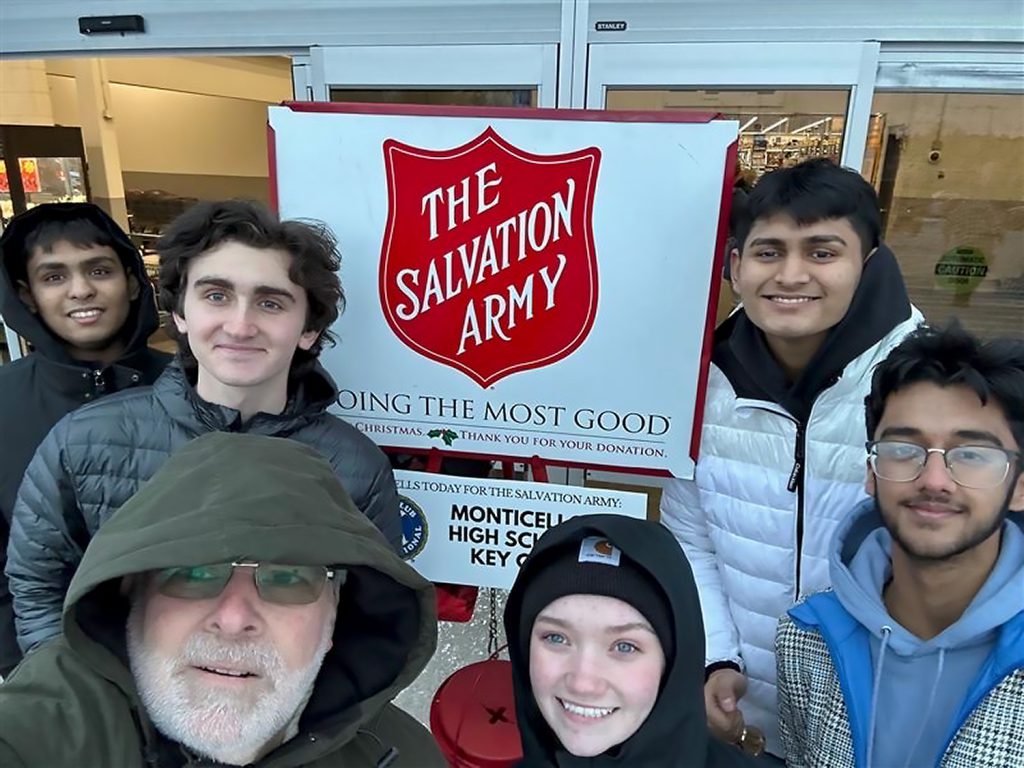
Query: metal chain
[[492, 622]]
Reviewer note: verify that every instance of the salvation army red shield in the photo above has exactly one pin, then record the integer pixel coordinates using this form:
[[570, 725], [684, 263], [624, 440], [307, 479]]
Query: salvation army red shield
[[488, 262]]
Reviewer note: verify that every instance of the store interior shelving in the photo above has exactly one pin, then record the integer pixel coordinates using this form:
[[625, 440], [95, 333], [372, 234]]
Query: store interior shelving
[[768, 142]]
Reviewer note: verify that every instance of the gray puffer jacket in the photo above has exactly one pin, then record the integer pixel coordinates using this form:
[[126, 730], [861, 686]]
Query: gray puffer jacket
[[97, 457]]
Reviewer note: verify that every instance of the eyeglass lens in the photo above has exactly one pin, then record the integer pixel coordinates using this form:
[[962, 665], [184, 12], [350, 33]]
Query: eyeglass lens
[[275, 583], [972, 466]]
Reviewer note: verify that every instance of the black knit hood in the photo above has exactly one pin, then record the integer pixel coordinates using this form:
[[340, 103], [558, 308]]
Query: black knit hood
[[675, 734]]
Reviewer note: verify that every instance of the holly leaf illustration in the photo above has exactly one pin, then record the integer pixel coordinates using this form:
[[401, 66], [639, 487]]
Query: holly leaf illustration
[[447, 435]]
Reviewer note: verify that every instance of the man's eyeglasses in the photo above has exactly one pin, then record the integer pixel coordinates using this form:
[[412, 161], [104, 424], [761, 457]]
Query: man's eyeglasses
[[972, 466], [275, 582]]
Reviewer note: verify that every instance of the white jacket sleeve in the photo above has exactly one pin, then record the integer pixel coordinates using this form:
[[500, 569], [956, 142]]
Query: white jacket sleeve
[[682, 513]]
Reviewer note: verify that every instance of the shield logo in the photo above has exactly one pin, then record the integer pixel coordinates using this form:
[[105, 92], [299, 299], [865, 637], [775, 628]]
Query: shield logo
[[488, 262]]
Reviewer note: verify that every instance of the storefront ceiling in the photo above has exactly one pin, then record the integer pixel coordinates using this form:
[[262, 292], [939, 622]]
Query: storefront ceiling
[[33, 28], [51, 27]]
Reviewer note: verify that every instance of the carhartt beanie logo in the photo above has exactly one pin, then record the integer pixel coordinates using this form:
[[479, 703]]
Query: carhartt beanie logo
[[594, 549], [595, 566]]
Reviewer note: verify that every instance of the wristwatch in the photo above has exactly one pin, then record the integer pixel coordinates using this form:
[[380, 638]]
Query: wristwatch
[[751, 740]]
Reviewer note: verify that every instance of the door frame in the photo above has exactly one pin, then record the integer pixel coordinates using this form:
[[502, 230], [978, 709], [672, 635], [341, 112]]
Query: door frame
[[431, 67], [920, 68]]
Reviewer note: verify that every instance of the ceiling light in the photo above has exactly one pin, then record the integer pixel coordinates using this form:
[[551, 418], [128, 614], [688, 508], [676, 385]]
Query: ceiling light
[[775, 125], [812, 125]]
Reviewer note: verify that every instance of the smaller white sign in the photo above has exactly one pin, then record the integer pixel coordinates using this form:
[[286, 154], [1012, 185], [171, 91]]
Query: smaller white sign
[[473, 531]]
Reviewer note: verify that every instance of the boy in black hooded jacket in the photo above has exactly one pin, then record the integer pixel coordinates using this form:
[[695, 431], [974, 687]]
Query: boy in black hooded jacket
[[74, 286], [606, 642]]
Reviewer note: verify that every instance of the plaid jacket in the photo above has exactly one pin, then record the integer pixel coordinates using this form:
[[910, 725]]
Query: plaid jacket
[[817, 728]]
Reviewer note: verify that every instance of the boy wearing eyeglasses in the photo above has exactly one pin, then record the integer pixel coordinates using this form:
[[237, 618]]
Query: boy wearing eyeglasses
[[915, 657], [238, 610]]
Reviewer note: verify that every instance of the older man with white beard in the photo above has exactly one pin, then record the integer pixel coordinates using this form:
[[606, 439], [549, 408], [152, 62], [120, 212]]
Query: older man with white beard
[[229, 694], [238, 609]]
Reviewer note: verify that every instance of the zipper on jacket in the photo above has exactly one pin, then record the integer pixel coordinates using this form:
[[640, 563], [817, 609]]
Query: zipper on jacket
[[99, 383], [796, 485], [796, 475]]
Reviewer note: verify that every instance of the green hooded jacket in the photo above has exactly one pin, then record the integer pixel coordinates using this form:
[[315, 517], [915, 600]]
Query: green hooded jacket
[[73, 702]]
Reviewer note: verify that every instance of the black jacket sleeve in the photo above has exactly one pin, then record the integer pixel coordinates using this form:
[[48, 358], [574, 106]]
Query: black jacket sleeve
[[48, 537], [364, 470], [10, 654], [381, 504]]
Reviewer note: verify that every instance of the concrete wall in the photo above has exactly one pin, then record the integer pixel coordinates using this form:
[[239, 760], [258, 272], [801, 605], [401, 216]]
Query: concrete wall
[[24, 93]]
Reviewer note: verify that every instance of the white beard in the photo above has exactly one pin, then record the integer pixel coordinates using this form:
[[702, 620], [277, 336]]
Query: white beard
[[232, 727]]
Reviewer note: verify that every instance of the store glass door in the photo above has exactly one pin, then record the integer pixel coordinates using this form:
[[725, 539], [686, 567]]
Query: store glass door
[[947, 159], [778, 127], [462, 75], [793, 101]]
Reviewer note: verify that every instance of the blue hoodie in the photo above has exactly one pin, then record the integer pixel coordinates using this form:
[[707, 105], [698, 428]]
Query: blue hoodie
[[907, 697]]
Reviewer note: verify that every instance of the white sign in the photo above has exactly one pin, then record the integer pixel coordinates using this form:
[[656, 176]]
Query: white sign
[[478, 532], [519, 283]]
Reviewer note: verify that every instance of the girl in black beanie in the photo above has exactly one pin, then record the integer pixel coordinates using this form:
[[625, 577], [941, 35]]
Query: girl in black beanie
[[607, 649]]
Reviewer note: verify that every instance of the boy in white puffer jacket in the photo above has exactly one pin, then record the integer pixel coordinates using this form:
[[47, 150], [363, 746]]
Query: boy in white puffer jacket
[[782, 444]]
